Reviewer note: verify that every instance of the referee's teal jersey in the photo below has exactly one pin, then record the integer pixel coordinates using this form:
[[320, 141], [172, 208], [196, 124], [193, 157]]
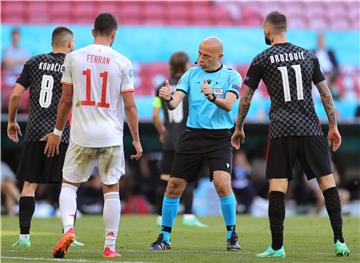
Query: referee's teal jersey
[[204, 114]]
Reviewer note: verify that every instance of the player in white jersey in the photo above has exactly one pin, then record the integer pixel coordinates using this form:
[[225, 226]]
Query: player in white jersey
[[96, 81]]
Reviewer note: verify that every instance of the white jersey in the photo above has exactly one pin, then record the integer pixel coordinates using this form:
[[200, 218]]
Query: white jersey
[[98, 75]]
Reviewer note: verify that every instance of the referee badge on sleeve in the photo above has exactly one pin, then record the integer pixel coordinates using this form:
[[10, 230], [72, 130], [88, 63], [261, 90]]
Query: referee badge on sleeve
[[218, 92], [236, 87]]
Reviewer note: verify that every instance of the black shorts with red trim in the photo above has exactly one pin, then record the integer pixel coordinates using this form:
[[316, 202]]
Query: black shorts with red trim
[[198, 145], [311, 151], [36, 167]]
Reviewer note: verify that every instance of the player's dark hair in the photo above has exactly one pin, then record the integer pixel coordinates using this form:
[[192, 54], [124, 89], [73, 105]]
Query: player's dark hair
[[105, 23], [59, 36], [277, 20], [15, 30], [178, 63]]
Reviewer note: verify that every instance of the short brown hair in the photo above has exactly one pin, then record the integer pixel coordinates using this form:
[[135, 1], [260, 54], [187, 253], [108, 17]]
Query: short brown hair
[[60, 35], [277, 20], [178, 62]]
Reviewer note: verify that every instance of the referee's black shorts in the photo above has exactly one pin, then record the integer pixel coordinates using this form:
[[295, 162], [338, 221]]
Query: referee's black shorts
[[166, 162], [197, 145], [36, 167], [311, 151]]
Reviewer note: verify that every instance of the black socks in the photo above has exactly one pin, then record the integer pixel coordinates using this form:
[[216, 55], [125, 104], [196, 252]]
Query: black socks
[[333, 207], [276, 218], [26, 211]]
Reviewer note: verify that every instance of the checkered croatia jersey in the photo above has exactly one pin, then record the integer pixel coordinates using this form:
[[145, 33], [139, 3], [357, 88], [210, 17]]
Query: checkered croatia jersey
[[288, 72], [42, 75]]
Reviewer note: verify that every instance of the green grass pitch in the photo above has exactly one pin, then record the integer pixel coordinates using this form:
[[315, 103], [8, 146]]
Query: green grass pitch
[[307, 239]]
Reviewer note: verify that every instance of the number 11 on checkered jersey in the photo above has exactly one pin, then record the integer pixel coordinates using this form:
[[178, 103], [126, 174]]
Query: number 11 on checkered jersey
[[285, 80], [88, 102]]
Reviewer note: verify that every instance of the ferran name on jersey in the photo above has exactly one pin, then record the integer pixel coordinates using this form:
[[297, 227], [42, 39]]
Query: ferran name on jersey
[[218, 92], [98, 59]]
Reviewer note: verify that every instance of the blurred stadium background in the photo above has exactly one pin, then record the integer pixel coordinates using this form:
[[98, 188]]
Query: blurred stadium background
[[150, 31]]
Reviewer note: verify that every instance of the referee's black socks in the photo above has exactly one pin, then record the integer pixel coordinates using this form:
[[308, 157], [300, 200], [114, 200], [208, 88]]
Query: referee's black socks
[[26, 211], [333, 207], [276, 218]]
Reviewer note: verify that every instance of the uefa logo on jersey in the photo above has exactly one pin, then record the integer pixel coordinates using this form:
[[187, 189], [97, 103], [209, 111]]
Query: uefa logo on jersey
[[218, 92], [236, 87]]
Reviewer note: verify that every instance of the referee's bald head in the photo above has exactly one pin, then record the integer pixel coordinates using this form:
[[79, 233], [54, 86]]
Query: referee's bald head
[[210, 53], [213, 43]]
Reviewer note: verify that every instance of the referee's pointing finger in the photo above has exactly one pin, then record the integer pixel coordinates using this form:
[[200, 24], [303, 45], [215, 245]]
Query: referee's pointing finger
[[204, 85]]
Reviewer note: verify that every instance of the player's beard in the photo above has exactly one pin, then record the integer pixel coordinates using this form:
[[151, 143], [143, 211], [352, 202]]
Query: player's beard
[[267, 40]]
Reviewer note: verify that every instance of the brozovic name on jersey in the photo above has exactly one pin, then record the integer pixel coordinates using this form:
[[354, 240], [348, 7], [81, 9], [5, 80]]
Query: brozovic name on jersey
[[287, 57]]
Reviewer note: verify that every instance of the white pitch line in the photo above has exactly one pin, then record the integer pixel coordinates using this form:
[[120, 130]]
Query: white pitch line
[[187, 251], [183, 251], [217, 252], [241, 252], [152, 251], [66, 260], [46, 259]]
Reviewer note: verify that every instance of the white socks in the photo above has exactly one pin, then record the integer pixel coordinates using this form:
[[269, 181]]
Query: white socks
[[189, 216], [111, 213], [67, 202], [24, 236], [111, 218]]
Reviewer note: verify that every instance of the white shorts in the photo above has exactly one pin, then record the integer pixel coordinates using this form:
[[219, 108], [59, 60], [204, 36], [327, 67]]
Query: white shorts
[[80, 162]]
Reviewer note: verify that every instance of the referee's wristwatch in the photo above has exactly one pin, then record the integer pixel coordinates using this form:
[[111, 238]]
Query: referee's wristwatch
[[171, 98], [213, 99]]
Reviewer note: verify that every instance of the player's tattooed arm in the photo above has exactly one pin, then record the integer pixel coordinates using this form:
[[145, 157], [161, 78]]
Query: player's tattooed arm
[[327, 102], [244, 106]]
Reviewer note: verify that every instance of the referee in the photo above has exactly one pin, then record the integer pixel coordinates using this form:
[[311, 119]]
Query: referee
[[169, 131], [211, 89]]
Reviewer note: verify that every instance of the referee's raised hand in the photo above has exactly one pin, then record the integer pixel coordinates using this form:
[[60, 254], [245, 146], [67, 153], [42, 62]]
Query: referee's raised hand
[[13, 131], [165, 92], [206, 89]]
